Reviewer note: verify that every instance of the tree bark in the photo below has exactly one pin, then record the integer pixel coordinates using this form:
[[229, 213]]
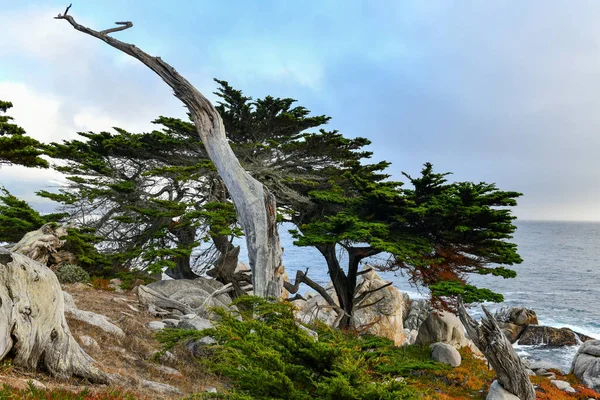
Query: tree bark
[[33, 329], [499, 352], [255, 205], [186, 236]]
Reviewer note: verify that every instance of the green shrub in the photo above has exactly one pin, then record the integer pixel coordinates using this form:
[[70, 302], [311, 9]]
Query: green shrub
[[70, 273], [265, 355]]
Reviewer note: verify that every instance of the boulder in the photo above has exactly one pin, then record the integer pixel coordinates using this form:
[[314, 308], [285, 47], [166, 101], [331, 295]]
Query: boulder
[[514, 320], [562, 385], [549, 336], [586, 364], [446, 354], [442, 326], [197, 323], [161, 388], [497, 392], [519, 316], [156, 326]]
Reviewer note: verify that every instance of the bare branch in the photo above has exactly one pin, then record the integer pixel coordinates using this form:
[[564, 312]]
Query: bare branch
[[301, 277], [364, 271], [366, 293], [125, 25]]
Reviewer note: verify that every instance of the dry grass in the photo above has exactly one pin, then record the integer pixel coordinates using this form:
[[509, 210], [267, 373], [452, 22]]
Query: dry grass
[[132, 357]]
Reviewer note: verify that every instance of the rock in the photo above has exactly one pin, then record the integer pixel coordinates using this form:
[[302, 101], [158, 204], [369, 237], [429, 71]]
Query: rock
[[497, 392], [562, 385], [514, 320], [511, 331], [115, 284], [442, 327], [156, 326], [586, 364], [96, 320], [210, 389], [167, 370], [542, 365], [197, 323], [383, 318], [411, 336], [446, 354], [549, 336], [161, 388], [310, 332], [519, 316], [88, 341], [198, 347], [171, 323], [418, 312]]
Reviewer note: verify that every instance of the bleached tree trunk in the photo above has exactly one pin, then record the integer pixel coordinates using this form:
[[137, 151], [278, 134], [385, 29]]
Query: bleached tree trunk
[[33, 329], [499, 352], [255, 205]]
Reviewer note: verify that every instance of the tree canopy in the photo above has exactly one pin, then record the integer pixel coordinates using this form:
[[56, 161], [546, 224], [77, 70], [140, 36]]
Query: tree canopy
[[15, 146]]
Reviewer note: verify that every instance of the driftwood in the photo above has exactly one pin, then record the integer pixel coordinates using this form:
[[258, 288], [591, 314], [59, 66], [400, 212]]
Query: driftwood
[[255, 205], [488, 338], [33, 329]]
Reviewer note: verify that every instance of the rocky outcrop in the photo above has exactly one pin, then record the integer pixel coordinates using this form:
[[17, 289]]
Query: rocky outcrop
[[549, 336], [586, 365], [513, 321], [417, 311], [383, 316]]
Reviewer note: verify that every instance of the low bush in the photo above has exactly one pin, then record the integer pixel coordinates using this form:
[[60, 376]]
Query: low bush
[[70, 273], [266, 355]]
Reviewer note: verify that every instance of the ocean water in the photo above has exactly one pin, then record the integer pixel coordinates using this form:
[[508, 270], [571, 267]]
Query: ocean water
[[559, 279]]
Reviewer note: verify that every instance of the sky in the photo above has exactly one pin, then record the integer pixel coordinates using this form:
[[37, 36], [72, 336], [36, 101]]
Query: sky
[[495, 91]]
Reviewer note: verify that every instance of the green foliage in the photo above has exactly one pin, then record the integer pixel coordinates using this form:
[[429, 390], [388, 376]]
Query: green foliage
[[266, 355], [70, 273], [15, 146], [81, 243], [17, 218]]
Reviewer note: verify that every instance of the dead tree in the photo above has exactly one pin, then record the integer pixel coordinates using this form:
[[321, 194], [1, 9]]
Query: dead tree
[[33, 329], [499, 352], [255, 204]]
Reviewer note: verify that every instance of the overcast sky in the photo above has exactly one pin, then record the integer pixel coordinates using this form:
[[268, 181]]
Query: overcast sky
[[497, 91]]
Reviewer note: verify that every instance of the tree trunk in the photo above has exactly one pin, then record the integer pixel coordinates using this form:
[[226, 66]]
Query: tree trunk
[[499, 352], [33, 329], [255, 205], [341, 284], [186, 236]]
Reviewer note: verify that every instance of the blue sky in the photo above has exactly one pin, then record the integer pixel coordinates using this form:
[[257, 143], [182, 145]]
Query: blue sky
[[497, 91]]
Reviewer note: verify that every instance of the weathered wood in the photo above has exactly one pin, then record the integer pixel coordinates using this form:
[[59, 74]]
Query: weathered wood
[[255, 205], [488, 338], [33, 328]]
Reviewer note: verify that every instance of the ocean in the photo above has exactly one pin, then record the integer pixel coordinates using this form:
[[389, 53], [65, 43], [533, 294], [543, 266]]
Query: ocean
[[559, 279]]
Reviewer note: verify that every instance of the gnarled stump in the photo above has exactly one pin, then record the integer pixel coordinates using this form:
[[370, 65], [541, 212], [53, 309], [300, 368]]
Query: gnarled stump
[[41, 244], [488, 338], [33, 329]]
